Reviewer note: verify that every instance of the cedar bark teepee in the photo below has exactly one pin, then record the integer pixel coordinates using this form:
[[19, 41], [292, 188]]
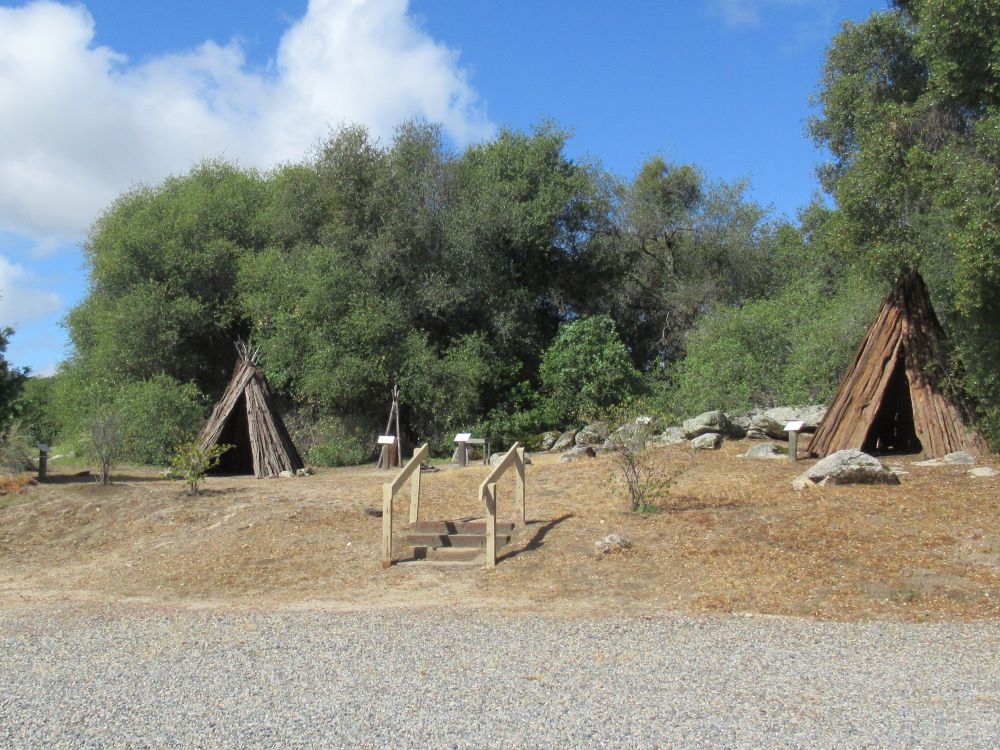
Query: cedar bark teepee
[[247, 418], [890, 398]]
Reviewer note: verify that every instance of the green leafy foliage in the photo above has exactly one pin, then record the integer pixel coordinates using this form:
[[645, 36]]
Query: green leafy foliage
[[11, 380], [789, 349], [192, 462], [586, 370], [910, 110], [35, 410]]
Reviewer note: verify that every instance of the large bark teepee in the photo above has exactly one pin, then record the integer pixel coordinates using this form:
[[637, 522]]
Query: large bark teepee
[[890, 399], [246, 418]]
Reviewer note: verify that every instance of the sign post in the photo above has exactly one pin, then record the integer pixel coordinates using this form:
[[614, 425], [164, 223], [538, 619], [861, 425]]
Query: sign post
[[43, 461], [389, 453], [462, 454], [793, 429]]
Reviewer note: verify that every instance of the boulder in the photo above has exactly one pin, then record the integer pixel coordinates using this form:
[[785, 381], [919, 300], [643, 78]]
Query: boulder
[[984, 471], [286, 474], [575, 454], [611, 544], [593, 434], [710, 441], [547, 439], [670, 436], [771, 422], [564, 441], [849, 467], [959, 458], [738, 426], [710, 421], [495, 458], [766, 450], [741, 421]]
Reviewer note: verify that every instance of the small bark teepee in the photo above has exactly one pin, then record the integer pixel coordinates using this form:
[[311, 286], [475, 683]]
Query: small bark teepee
[[246, 418], [890, 399]]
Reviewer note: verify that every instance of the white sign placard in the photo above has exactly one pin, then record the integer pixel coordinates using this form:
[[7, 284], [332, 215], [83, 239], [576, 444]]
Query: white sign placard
[[463, 437], [794, 426], [386, 439], [43, 448]]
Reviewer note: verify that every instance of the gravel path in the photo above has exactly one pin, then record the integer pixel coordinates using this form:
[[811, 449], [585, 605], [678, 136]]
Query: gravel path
[[89, 678]]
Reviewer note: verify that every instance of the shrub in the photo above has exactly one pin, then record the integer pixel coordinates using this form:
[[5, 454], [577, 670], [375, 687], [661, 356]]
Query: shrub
[[791, 349], [106, 442], [156, 416], [646, 479], [17, 450], [345, 451], [193, 462], [35, 410], [586, 370]]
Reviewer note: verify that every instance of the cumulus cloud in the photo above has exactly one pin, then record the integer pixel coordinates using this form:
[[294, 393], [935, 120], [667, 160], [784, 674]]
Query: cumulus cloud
[[80, 123], [21, 299]]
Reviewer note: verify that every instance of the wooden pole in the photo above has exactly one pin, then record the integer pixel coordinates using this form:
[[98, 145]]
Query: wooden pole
[[490, 498], [387, 525], [43, 462], [415, 497], [399, 435], [793, 446], [520, 486]]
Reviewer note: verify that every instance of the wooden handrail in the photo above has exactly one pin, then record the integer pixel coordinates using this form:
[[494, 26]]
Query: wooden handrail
[[389, 489], [488, 496]]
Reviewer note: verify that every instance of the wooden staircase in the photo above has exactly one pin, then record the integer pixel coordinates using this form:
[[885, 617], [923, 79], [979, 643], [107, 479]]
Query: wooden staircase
[[458, 542]]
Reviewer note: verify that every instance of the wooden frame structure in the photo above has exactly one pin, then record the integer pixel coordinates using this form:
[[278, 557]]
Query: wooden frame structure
[[391, 455], [388, 492], [512, 459], [247, 417]]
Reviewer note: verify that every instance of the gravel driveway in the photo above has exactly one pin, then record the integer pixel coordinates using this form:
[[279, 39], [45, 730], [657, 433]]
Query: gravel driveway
[[122, 677]]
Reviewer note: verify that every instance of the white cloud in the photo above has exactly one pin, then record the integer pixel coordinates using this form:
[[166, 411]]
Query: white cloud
[[748, 12], [21, 300], [79, 123]]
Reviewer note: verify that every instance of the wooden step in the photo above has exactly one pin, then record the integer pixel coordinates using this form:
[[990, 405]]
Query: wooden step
[[471, 526], [452, 540], [450, 554]]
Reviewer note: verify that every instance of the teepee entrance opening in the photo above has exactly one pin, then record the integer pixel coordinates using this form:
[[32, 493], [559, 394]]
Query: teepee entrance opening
[[236, 432], [892, 430]]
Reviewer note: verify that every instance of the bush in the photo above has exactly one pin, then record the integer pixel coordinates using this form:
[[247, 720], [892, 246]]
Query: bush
[[106, 442], [17, 450], [36, 411], [156, 416], [345, 451], [646, 479], [585, 371], [791, 349], [192, 463]]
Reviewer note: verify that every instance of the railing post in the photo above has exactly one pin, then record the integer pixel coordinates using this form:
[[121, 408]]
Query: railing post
[[387, 525], [520, 486], [415, 497], [490, 497]]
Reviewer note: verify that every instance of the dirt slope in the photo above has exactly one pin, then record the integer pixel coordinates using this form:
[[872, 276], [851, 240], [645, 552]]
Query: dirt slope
[[733, 536]]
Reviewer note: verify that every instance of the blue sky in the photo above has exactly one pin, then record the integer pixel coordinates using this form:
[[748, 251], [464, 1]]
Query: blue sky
[[98, 96]]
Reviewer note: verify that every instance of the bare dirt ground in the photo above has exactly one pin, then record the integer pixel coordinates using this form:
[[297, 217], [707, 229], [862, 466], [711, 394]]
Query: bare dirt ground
[[732, 537]]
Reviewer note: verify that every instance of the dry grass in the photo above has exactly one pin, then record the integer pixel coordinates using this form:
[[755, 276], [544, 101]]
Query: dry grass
[[10, 484], [732, 536]]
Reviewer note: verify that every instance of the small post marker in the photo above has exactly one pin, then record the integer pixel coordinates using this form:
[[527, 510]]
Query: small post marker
[[793, 428], [43, 461]]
